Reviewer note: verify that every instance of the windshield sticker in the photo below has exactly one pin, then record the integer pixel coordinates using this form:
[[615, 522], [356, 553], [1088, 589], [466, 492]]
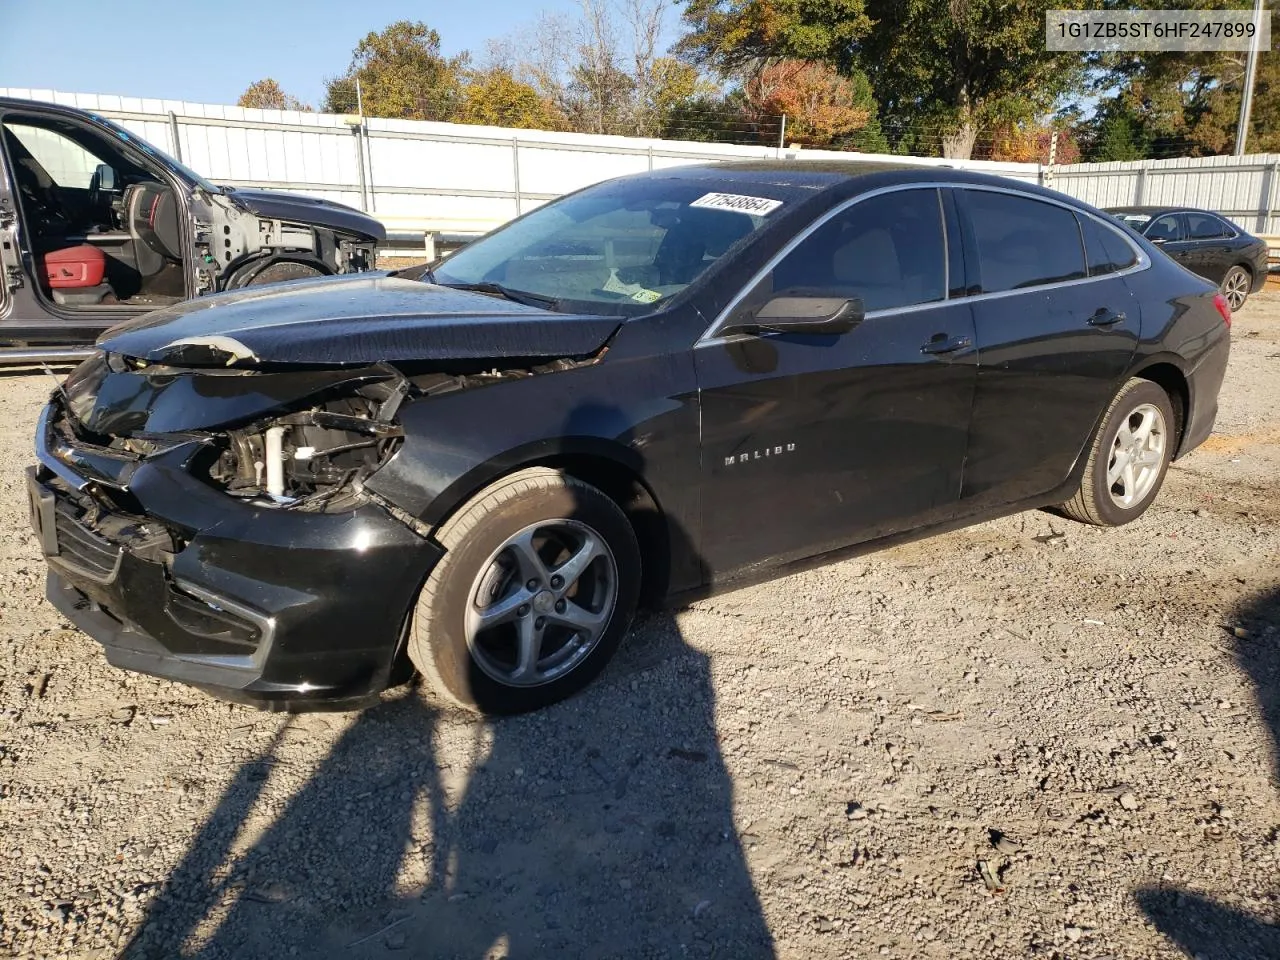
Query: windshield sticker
[[646, 296], [760, 206]]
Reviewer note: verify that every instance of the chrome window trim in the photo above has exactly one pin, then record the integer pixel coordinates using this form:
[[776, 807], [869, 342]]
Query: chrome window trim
[[1143, 262]]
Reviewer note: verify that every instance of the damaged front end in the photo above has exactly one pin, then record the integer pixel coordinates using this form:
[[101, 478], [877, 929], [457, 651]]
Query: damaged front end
[[210, 526], [213, 523]]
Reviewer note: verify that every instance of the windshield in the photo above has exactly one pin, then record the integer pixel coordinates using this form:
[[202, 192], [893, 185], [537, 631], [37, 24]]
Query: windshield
[[619, 247], [174, 166], [1135, 220]]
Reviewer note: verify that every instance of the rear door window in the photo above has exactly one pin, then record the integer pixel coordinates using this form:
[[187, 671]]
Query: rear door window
[[1205, 226], [1022, 242], [1106, 250]]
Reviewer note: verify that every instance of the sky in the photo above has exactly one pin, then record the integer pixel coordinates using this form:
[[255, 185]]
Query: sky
[[209, 52]]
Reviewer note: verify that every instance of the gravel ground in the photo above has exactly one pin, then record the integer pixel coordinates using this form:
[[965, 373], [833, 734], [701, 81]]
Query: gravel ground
[[1028, 738]]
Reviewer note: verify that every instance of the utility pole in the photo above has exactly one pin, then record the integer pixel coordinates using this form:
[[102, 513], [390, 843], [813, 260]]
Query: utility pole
[[1250, 76]]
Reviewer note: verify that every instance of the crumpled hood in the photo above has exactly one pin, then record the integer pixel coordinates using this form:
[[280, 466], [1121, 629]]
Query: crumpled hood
[[354, 320], [311, 210]]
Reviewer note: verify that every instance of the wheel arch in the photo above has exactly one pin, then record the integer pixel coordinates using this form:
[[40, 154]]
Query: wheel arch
[[1167, 375], [606, 466], [240, 273]]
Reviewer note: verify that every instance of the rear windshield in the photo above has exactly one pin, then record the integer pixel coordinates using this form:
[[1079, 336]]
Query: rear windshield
[[620, 247]]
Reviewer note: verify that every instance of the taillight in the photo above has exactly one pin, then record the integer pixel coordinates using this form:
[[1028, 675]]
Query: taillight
[[1224, 308]]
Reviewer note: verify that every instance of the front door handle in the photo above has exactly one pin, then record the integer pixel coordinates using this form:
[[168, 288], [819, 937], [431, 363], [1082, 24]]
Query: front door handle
[[941, 344], [1105, 318]]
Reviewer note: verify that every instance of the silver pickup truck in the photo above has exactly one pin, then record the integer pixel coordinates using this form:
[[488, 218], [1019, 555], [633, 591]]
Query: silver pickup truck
[[98, 226]]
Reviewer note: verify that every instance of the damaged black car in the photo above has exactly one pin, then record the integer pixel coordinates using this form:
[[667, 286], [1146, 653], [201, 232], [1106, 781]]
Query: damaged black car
[[656, 387]]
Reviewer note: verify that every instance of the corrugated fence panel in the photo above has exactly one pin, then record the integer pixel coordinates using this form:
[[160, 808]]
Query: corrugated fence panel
[[456, 173]]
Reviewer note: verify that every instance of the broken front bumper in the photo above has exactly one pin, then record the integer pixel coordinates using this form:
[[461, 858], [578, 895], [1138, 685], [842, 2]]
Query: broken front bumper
[[257, 604]]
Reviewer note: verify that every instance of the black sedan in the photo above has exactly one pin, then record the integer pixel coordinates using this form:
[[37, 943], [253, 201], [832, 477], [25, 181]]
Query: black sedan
[[659, 386], [1204, 243]]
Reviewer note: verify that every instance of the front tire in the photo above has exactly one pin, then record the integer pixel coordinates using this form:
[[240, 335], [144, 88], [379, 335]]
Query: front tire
[[535, 591], [1128, 459], [1235, 287]]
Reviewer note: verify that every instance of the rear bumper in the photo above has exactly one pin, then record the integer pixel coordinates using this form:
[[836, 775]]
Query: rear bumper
[[267, 606]]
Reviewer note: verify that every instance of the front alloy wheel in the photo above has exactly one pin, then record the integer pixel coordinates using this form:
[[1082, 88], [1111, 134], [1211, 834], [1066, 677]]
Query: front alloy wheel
[[541, 603], [540, 576]]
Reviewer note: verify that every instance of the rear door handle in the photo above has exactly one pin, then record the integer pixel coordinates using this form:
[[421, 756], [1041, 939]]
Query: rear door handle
[[1105, 318], [940, 344]]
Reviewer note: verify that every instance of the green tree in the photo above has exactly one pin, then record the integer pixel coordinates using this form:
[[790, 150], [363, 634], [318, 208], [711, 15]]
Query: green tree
[[1182, 104], [267, 95], [402, 74], [1118, 136], [941, 76], [1187, 103], [673, 87], [497, 98], [734, 35]]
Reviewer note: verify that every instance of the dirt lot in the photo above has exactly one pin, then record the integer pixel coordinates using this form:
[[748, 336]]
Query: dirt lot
[[842, 763]]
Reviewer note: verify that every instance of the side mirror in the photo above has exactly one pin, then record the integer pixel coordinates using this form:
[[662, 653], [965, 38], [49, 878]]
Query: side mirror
[[796, 311], [105, 177]]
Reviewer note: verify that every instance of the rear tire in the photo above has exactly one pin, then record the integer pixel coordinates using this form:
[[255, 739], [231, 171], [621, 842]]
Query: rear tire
[[1235, 287], [497, 628], [1128, 458]]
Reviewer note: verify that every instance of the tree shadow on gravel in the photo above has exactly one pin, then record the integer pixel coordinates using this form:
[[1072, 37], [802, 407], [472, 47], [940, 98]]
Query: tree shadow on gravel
[[600, 827], [1199, 926]]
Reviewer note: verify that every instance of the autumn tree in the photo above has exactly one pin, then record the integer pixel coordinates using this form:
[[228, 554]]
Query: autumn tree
[[604, 70], [940, 76], [402, 73], [1034, 143], [495, 97], [822, 107], [267, 95]]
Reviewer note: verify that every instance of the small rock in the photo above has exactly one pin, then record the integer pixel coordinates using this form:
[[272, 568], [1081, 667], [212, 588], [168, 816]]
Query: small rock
[[396, 940], [123, 715], [1199, 511], [855, 811], [825, 926], [1004, 843], [1128, 801], [701, 908], [1073, 933], [1241, 633]]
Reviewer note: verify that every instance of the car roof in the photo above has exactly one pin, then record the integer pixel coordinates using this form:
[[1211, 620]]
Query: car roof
[[818, 175], [15, 103], [1153, 211]]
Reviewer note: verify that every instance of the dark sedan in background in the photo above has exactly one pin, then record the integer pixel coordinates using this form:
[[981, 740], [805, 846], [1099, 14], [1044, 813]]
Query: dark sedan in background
[[659, 385], [1204, 243]]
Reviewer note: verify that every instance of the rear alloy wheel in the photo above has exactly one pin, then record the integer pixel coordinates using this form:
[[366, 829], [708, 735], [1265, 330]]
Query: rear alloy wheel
[[1235, 287], [1128, 459], [532, 597]]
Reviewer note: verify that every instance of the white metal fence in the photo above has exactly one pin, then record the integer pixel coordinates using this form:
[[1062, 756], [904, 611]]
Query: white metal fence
[[441, 176]]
